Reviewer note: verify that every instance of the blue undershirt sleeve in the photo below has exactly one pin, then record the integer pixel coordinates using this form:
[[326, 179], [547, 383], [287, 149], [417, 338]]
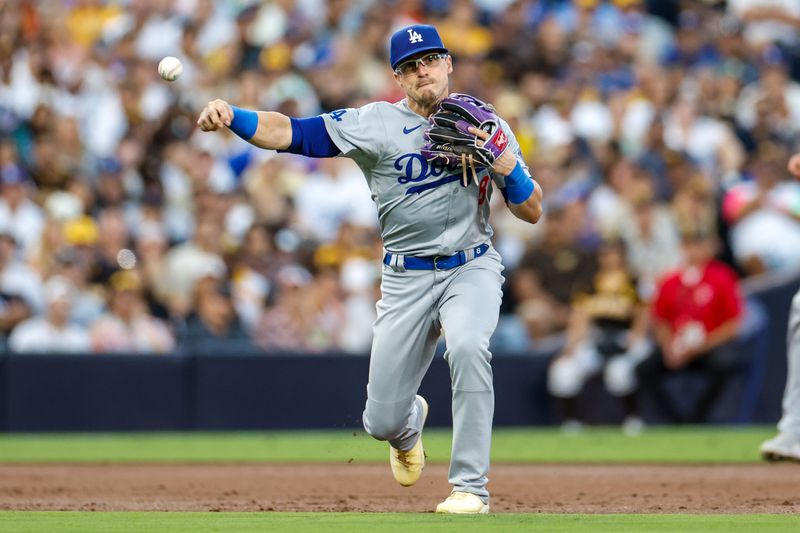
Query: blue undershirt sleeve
[[310, 138]]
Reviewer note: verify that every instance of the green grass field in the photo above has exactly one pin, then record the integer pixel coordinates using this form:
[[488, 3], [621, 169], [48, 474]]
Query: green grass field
[[662, 445], [68, 522], [658, 445]]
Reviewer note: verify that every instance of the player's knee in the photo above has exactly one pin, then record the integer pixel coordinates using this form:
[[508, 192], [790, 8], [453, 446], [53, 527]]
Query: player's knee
[[469, 359], [383, 424], [620, 377], [468, 349], [563, 379], [382, 428]]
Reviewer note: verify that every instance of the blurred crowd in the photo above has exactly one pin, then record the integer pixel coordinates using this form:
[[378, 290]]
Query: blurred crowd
[[124, 229]]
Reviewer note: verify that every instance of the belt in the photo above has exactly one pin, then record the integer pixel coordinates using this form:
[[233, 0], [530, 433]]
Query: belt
[[400, 262]]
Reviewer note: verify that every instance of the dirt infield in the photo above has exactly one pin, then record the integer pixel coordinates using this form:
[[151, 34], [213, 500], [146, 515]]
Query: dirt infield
[[354, 487]]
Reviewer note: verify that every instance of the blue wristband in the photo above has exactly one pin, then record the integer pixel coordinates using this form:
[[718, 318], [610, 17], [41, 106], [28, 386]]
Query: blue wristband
[[244, 123], [519, 186]]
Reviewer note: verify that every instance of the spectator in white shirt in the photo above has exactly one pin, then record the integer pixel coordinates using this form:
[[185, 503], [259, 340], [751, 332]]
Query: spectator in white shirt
[[190, 261], [20, 287], [17, 211], [53, 331]]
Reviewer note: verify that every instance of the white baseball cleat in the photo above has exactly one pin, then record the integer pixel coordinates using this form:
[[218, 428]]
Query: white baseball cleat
[[783, 447], [463, 503], [407, 466]]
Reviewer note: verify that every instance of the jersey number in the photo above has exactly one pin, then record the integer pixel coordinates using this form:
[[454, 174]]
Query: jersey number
[[337, 115], [484, 184]]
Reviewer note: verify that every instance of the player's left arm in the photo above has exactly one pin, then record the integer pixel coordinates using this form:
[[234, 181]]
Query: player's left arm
[[523, 195], [518, 181]]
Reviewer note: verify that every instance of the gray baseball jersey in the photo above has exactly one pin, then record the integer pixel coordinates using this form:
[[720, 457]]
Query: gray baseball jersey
[[425, 211], [422, 208]]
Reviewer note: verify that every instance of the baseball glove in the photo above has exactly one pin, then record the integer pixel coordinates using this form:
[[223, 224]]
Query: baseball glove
[[448, 140]]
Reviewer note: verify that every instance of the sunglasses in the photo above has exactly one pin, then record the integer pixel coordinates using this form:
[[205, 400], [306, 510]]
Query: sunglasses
[[411, 66]]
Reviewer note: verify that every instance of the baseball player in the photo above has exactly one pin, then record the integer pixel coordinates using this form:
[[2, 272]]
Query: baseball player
[[786, 445], [440, 270]]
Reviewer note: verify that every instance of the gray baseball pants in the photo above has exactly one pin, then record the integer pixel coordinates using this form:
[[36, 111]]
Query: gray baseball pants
[[790, 422], [415, 305]]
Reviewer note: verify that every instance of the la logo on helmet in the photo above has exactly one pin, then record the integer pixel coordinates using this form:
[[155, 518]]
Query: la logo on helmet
[[414, 37]]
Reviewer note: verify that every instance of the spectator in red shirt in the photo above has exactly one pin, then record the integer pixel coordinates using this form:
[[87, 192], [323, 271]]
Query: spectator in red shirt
[[697, 313]]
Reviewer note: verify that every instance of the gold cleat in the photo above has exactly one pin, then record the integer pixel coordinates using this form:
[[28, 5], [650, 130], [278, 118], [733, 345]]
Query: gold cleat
[[407, 466]]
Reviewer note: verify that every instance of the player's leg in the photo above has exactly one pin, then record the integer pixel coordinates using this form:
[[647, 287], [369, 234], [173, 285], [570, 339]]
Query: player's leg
[[786, 445], [790, 422], [469, 310], [403, 345]]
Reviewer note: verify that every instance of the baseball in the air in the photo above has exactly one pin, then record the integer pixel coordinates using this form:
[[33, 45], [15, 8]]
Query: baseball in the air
[[170, 68]]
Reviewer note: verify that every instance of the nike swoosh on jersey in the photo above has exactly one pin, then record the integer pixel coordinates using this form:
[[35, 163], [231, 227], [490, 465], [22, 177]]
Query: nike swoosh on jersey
[[407, 130]]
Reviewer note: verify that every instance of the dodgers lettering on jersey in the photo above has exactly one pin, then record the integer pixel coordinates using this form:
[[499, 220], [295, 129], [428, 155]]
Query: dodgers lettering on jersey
[[423, 209]]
